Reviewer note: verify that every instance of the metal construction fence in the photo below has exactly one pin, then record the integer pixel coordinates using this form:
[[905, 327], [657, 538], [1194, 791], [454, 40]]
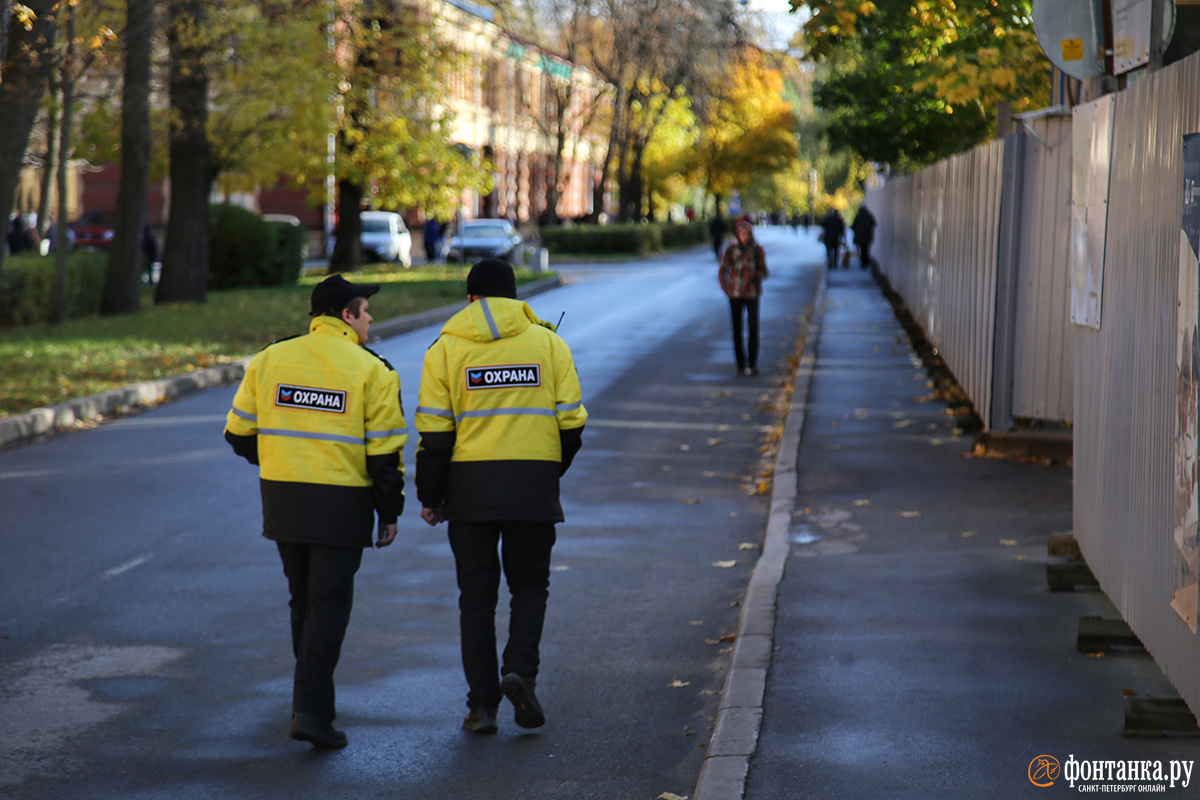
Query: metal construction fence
[[1053, 274]]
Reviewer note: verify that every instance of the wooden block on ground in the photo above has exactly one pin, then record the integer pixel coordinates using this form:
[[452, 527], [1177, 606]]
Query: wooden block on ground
[[1065, 574], [1099, 635], [1063, 545], [1150, 717]]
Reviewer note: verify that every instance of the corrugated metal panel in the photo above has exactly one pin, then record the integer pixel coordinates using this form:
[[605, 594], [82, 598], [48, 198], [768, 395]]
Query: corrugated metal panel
[[938, 237], [1125, 374], [1044, 341]]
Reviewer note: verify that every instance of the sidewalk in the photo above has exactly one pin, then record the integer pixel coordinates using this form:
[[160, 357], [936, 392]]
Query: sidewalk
[[917, 650]]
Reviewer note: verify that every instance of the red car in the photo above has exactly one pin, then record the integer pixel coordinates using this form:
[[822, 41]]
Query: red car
[[94, 230]]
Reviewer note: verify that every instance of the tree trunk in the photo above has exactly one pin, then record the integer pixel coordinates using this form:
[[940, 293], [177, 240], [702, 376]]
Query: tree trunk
[[23, 82], [121, 282], [49, 167], [347, 249], [184, 276], [58, 292], [606, 166]]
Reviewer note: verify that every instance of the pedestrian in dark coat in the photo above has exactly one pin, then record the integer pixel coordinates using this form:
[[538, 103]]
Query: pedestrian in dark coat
[[863, 227], [743, 267], [20, 239], [833, 234], [718, 227]]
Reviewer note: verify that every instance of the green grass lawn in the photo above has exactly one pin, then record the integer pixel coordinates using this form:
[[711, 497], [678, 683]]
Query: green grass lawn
[[43, 365]]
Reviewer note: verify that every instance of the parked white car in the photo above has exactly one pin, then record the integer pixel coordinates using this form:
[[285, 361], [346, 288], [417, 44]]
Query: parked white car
[[385, 237]]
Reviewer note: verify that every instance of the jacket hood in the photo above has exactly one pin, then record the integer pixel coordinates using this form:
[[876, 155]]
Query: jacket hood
[[492, 318]]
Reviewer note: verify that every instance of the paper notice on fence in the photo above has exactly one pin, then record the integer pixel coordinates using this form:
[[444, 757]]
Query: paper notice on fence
[[1187, 378], [1091, 155]]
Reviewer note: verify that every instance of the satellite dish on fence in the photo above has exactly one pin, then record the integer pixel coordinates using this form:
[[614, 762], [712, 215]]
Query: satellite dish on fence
[[1071, 33]]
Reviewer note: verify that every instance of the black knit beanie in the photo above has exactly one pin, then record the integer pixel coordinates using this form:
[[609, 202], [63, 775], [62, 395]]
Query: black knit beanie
[[492, 278]]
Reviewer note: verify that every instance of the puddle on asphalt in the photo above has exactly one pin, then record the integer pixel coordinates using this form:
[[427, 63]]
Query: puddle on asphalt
[[46, 702]]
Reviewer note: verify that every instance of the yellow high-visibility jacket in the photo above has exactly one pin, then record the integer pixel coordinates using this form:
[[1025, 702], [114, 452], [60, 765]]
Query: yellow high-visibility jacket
[[500, 415], [321, 416]]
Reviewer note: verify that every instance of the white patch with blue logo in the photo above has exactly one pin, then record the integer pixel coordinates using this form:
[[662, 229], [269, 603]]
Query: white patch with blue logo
[[310, 398], [510, 376]]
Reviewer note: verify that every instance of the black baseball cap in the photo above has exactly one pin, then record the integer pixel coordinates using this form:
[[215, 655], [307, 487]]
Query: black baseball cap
[[492, 278], [333, 293]]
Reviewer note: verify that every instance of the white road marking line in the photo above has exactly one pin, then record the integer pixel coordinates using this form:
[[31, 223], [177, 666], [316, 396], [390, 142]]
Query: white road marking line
[[128, 565]]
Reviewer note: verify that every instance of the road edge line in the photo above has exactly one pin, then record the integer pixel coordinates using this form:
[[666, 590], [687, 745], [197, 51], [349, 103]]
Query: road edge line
[[739, 718]]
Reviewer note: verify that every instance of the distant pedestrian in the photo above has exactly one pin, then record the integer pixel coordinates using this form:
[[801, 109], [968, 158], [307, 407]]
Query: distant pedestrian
[[743, 268], [149, 252], [863, 227], [501, 418], [432, 233], [719, 229], [320, 414], [833, 234], [20, 238]]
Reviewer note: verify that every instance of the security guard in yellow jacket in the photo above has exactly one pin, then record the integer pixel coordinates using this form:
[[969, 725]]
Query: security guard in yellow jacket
[[501, 417], [321, 416]]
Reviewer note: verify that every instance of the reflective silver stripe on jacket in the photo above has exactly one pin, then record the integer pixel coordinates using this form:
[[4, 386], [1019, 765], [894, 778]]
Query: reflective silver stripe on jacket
[[435, 412], [569, 406], [503, 412], [325, 437], [487, 314], [238, 412], [385, 434]]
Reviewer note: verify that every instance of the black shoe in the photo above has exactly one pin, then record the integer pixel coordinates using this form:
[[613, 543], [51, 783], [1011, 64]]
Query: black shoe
[[481, 720], [527, 710], [309, 728], [750, 371]]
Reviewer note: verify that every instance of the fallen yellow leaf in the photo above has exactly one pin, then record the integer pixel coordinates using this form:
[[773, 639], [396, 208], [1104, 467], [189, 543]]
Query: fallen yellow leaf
[[862, 502], [725, 564], [672, 795], [967, 534], [910, 514], [715, 441], [677, 684], [747, 546], [904, 423], [1008, 542]]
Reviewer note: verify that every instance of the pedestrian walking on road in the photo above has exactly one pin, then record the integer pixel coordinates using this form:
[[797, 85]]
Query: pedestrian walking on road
[[719, 228], [501, 418], [863, 227], [743, 268], [321, 416], [833, 234]]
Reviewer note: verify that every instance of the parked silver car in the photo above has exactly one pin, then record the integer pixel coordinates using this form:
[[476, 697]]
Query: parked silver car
[[483, 238]]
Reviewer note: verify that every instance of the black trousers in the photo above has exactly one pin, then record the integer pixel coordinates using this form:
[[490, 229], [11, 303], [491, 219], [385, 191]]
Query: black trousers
[[321, 582], [749, 307], [525, 557]]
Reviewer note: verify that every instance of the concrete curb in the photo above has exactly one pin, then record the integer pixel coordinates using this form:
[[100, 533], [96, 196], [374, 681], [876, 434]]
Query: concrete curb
[[739, 719], [74, 413]]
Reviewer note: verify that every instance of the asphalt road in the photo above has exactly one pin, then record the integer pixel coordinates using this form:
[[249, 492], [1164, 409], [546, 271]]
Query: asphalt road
[[144, 650]]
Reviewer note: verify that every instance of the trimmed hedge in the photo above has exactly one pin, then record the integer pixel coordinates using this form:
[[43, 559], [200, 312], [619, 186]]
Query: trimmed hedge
[[612, 239], [288, 262], [27, 281], [241, 248], [685, 235]]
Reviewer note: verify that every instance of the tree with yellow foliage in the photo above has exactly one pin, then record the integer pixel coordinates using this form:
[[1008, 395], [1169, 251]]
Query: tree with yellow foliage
[[748, 128], [908, 83]]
